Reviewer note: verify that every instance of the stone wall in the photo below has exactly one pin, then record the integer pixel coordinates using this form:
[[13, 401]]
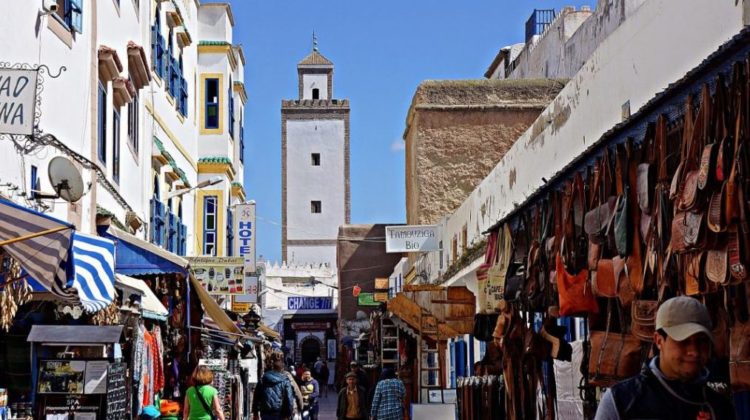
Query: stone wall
[[456, 133]]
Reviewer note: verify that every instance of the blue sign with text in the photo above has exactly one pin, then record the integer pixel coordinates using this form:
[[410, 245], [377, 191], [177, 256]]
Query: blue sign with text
[[309, 302]]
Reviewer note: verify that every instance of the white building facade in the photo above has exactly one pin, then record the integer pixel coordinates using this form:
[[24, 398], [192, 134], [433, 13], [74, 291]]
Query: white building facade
[[125, 110]]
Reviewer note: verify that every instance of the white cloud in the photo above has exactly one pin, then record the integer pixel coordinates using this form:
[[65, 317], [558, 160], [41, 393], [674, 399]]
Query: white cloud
[[398, 145]]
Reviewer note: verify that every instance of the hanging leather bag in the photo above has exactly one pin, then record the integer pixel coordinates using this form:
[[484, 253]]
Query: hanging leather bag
[[575, 292], [498, 272], [614, 356], [483, 270], [643, 322], [739, 347]]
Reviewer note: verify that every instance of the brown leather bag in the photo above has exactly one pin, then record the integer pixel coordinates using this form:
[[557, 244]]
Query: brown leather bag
[[717, 265], [597, 221], [739, 356], [716, 220], [643, 314], [604, 282], [613, 356], [693, 272], [687, 231]]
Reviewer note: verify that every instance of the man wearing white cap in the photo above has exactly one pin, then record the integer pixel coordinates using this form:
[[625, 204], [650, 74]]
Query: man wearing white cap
[[673, 384]]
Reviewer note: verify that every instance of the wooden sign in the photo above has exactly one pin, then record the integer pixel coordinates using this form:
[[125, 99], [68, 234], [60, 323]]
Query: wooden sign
[[381, 284]]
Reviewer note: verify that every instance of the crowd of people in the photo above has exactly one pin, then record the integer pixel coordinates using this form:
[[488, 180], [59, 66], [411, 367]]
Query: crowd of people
[[285, 393]]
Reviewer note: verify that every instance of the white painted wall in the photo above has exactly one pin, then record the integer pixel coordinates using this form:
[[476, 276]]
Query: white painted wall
[[314, 81], [278, 294], [213, 24], [306, 183], [656, 46], [311, 254]]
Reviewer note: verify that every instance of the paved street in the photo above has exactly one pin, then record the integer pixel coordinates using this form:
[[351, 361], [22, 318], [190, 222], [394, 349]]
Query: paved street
[[328, 406]]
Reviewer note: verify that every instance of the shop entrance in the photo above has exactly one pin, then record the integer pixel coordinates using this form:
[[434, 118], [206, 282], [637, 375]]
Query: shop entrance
[[310, 350]]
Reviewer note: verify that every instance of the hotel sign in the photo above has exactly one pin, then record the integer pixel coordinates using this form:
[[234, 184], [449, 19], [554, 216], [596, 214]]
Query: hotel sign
[[244, 234], [17, 101], [412, 238]]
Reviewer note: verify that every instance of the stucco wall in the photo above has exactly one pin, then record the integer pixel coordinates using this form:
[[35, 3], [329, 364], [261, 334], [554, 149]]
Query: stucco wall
[[306, 182], [314, 81]]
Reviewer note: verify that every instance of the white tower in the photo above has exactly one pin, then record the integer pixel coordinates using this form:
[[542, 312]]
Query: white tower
[[315, 165]]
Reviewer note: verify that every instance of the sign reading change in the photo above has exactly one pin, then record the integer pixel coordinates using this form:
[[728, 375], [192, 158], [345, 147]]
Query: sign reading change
[[17, 101], [412, 238]]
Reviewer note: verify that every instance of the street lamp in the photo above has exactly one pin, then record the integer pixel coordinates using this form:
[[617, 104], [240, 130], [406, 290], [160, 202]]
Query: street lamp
[[251, 319], [207, 183]]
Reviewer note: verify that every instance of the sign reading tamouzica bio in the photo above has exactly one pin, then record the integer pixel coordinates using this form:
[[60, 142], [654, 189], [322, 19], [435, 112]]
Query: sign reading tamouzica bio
[[412, 238], [17, 101]]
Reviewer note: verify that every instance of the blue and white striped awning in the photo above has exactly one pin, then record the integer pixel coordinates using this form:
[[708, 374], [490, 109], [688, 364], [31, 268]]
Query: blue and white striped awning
[[94, 271], [43, 257], [73, 266]]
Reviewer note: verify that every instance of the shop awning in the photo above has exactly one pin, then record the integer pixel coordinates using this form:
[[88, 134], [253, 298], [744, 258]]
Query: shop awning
[[213, 310], [419, 319], [136, 257], [151, 307], [75, 334], [43, 254], [268, 332]]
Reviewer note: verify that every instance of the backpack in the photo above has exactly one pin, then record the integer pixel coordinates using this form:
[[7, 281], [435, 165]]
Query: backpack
[[272, 398]]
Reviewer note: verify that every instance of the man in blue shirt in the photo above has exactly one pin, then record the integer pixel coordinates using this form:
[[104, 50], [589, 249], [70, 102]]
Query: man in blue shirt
[[388, 401], [673, 384]]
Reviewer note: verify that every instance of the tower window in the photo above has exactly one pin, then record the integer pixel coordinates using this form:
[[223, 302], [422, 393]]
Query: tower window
[[316, 207], [212, 103], [315, 159], [209, 225], [316, 93]]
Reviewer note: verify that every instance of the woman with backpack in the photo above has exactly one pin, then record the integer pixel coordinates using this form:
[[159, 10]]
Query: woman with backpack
[[201, 399]]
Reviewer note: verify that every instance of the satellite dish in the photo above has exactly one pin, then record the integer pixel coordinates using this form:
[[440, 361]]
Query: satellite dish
[[65, 179]]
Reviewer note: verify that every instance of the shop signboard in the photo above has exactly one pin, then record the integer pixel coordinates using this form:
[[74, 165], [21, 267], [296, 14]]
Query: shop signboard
[[17, 101], [220, 275], [117, 392], [244, 236], [64, 376], [380, 297], [412, 238], [381, 284], [309, 303], [367, 299], [239, 307], [251, 291]]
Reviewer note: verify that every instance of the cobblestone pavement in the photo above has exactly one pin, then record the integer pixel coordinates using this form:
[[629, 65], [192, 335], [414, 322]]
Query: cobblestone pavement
[[328, 406]]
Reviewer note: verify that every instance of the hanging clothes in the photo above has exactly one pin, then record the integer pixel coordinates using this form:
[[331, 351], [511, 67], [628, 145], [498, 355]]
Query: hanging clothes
[[158, 360], [567, 379]]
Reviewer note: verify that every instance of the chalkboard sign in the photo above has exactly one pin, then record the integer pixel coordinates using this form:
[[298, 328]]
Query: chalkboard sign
[[117, 392]]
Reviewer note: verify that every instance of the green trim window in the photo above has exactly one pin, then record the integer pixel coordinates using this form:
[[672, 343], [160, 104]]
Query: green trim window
[[211, 90]]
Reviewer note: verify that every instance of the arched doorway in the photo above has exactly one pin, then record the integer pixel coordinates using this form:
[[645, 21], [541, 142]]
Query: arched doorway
[[310, 350]]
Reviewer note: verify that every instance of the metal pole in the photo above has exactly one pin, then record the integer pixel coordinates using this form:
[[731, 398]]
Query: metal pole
[[33, 235]]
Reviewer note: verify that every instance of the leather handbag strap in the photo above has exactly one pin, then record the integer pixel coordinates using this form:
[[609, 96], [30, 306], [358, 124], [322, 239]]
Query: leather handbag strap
[[660, 147], [203, 402]]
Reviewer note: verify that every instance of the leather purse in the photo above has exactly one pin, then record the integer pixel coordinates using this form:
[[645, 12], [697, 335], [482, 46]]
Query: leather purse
[[694, 264], [716, 220], [597, 221], [515, 282], [613, 357], [717, 265], [687, 231], [603, 281], [736, 266], [575, 293], [498, 272], [645, 187], [707, 169], [739, 356], [622, 226], [643, 319]]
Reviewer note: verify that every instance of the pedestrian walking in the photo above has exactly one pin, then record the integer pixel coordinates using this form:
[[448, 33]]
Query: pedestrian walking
[[361, 376], [673, 384], [297, 393], [388, 400], [201, 399], [323, 379], [310, 393], [274, 395], [352, 400]]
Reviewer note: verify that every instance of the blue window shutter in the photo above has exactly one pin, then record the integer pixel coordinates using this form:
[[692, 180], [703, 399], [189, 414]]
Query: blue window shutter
[[76, 15], [155, 48]]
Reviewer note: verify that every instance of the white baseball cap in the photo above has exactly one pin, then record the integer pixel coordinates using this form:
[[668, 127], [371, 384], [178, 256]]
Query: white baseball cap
[[682, 316]]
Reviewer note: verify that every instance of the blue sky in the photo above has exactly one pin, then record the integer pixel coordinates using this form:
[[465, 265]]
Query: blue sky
[[382, 51]]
